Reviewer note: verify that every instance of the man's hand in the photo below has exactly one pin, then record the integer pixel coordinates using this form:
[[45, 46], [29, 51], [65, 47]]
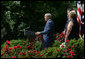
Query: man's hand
[[37, 33]]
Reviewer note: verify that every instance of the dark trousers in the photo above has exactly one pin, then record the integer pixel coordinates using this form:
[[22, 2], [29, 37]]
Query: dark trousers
[[47, 43]]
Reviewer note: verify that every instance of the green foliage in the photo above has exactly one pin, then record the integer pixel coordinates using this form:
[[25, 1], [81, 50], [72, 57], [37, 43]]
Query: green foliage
[[50, 52], [38, 45], [78, 49], [79, 46], [17, 15], [56, 43]]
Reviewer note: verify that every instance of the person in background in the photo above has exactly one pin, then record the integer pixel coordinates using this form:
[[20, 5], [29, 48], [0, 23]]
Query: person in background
[[48, 33], [82, 22], [72, 26], [68, 10]]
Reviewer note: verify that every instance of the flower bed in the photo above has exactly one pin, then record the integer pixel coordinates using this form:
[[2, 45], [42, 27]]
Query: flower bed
[[25, 49], [74, 49]]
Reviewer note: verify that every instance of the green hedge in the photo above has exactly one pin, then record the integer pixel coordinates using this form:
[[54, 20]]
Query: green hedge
[[76, 46], [78, 49]]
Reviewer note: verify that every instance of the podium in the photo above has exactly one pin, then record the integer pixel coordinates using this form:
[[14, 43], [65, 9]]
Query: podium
[[30, 35]]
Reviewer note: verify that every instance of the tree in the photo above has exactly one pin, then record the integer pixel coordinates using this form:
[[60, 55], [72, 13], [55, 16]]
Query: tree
[[17, 15]]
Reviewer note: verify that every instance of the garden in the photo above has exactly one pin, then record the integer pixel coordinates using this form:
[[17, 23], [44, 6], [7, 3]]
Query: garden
[[22, 48], [18, 15]]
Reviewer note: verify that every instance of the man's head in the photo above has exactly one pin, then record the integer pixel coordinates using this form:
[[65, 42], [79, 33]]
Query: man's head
[[47, 16]]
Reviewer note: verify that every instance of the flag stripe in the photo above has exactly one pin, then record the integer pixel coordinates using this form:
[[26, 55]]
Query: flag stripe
[[79, 16], [79, 10], [78, 20]]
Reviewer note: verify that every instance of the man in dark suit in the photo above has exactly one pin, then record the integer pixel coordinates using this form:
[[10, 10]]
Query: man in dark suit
[[48, 33]]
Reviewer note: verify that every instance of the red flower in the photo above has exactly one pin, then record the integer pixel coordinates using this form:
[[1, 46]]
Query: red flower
[[68, 56], [69, 49], [15, 47], [8, 42], [73, 54], [20, 53], [23, 52], [58, 50], [59, 37], [62, 46], [20, 47], [27, 55], [60, 40], [38, 52], [40, 36], [27, 44], [61, 33], [3, 47], [72, 46], [30, 42], [34, 50], [27, 47], [1, 54], [66, 50], [10, 48], [13, 57], [41, 55], [67, 40], [6, 48]]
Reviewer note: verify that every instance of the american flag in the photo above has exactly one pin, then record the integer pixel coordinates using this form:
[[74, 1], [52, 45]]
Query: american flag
[[79, 16]]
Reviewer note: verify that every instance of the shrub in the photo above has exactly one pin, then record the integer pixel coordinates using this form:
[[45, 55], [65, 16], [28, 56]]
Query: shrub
[[38, 45], [24, 49], [74, 49], [56, 43], [78, 47], [20, 49]]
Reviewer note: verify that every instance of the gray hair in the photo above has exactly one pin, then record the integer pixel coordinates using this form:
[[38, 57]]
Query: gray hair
[[48, 14]]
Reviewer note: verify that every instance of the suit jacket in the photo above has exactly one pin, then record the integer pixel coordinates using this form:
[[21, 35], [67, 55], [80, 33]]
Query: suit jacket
[[49, 29]]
